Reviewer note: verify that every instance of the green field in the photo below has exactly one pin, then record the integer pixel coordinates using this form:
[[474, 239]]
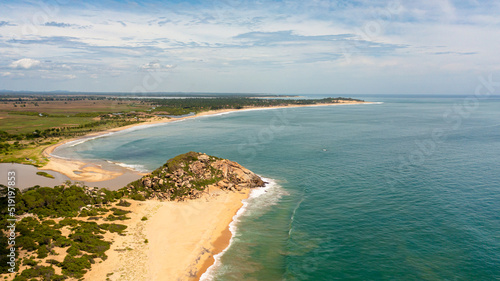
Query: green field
[[21, 124], [29, 124]]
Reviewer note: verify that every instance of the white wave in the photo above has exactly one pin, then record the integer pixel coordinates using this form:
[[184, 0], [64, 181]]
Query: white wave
[[240, 110], [292, 218], [259, 197], [61, 157], [80, 141], [134, 167]]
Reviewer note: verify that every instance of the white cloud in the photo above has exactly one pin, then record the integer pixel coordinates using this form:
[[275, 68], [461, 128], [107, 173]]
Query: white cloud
[[57, 76], [156, 66], [424, 39], [25, 63], [11, 75]]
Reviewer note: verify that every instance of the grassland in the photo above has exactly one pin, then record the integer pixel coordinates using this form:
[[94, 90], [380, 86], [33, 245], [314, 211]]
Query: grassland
[[18, 117], [29, 124]]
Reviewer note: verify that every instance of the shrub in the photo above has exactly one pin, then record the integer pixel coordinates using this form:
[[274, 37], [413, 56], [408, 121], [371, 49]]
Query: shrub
[[124, 203], [42, 252], [75, 267], [30, 262], [44, 174], [113, 227], [54, 262], [138, 197], [73, 251], [44, 272], [119, 212]]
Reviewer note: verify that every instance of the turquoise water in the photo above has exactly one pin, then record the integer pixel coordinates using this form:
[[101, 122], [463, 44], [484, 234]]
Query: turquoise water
[[404, 190]]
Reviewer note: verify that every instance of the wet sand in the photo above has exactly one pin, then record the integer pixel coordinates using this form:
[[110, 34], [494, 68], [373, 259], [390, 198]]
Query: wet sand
[[26, 177]]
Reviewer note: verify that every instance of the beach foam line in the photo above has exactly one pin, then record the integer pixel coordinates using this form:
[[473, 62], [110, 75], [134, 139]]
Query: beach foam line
[[80, 141], [135, 167], [131, 129], [292, 218], [255, 194], [284, 107], [238, 110]]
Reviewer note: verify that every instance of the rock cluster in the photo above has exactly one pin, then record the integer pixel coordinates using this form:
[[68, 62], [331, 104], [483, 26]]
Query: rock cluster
[[92, 191], [189, 175]]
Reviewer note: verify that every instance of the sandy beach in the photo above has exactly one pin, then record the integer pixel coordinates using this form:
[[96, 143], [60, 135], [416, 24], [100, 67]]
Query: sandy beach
[[182, 238], [92, 173]]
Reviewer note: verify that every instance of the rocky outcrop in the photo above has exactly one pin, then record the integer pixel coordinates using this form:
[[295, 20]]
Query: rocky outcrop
[[189, 175]]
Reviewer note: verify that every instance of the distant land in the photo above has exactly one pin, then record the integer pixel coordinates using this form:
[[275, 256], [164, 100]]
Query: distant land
[[148, 94], [33, 121]]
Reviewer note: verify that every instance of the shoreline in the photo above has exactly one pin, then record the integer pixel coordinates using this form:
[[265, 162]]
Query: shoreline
[[202, 230], [79, 170]]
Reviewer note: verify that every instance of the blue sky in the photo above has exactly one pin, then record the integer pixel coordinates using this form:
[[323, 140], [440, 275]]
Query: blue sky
[[298, 47]]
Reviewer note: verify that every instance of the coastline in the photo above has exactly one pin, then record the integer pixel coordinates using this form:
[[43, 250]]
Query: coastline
[[78, 170], [185, 239]]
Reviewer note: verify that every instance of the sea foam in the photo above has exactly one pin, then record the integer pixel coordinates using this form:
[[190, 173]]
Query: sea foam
[[259, 199], [134, 167]]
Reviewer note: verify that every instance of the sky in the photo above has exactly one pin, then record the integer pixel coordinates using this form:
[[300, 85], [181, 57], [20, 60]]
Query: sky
[[281, 47]]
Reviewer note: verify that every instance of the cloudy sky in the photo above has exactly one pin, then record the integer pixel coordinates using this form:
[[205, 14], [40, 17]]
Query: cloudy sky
[[306, 47]]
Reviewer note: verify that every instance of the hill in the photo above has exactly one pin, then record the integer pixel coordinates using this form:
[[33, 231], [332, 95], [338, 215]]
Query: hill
[[189, 175]]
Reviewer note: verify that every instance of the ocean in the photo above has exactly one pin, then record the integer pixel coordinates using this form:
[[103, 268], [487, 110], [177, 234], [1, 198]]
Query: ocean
[[404, 189]]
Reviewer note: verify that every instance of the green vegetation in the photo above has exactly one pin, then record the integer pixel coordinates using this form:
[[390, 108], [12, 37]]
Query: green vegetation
[[138, 197], [30, 123], [123, 203], [50, 212], [112, 227], [60, 201], [179, 161], [187, 105], [44, 174], [163, 180], [44, 272]]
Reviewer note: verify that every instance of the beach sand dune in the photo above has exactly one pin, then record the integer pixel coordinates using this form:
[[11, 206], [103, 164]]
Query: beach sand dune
[[176, 242]]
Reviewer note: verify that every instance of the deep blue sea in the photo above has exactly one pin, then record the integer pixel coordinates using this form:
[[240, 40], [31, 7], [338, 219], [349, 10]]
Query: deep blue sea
[[407, 189]]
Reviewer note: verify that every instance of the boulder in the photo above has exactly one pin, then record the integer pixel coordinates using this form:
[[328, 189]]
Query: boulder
[[179, 175], [204, 158]]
